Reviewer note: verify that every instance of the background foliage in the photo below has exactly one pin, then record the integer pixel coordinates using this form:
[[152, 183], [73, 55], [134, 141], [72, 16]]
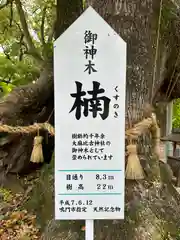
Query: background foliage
[[17, 66]]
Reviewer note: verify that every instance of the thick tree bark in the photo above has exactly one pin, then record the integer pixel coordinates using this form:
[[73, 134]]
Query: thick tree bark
[[136, 22]]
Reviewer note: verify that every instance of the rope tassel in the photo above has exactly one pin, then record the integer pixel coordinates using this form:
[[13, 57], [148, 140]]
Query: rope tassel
[[133, 169], [37, 153]]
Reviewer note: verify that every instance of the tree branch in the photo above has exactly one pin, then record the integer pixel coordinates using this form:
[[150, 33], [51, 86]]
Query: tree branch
[[11, 14], [42, 25], [51, 32], [22, 37], [32, 48], [21, 49], [27, 97]]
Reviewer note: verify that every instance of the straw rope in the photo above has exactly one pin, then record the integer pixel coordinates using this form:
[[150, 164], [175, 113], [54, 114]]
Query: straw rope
[[133, 132], [28, 129], [147, 124], [140, 128]]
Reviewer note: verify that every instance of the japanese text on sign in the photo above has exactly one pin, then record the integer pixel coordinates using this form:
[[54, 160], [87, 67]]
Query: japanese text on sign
[[90, 51]]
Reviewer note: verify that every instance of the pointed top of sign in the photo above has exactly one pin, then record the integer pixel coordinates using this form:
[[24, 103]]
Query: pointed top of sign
[[89, 19]]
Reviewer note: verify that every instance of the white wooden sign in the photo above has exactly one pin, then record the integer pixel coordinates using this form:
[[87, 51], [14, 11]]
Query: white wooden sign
[[90, 83]]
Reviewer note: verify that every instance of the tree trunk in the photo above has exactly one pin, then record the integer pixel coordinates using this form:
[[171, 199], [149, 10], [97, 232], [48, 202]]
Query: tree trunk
[[152, 207]]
